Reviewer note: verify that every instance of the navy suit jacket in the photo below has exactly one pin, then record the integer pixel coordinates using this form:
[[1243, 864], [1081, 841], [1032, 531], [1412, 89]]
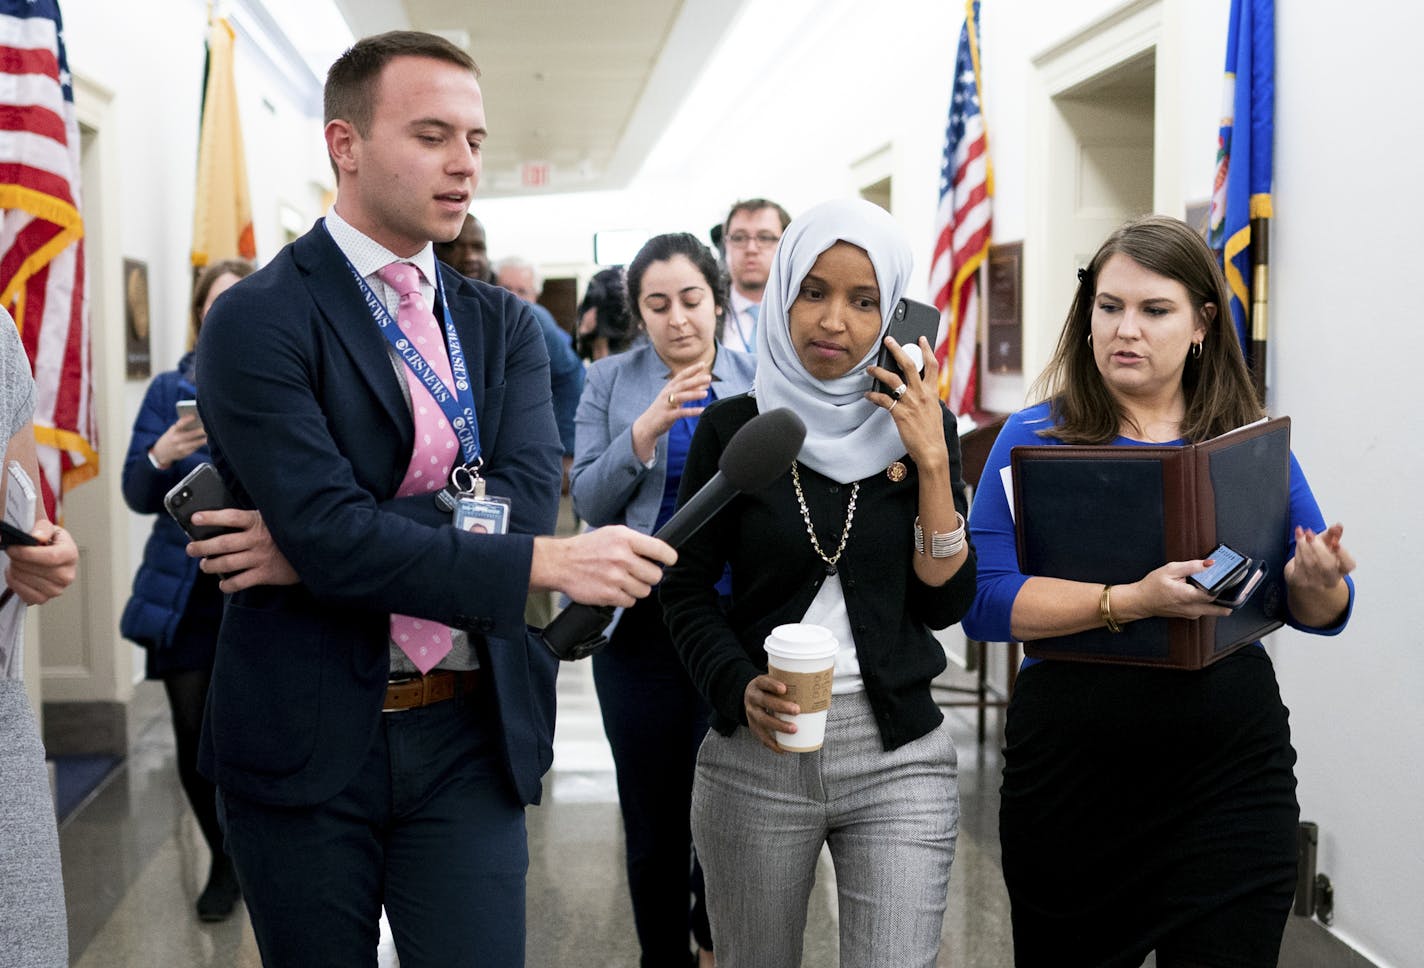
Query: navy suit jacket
[[307, 423]]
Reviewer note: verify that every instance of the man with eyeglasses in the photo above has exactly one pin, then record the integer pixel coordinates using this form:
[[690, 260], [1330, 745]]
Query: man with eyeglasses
[[749, 234]]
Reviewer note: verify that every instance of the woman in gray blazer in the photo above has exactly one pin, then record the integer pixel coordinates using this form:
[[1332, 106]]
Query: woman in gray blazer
[[635, 421]]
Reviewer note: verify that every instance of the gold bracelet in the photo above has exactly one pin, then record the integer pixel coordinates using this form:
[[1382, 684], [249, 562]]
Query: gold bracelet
[[1105, 609]]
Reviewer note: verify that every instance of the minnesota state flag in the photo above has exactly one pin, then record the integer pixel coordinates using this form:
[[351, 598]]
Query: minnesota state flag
[[1242, 189]]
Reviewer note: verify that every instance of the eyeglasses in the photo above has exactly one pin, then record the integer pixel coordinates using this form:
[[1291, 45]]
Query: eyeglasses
[[741, 239]]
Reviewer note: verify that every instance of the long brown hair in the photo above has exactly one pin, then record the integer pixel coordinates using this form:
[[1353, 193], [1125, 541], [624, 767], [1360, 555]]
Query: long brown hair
[[210, 274], [1217, 384]]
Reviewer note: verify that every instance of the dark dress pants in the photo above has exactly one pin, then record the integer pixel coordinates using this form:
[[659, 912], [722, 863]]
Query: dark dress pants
[[655, 721], [429, 827]]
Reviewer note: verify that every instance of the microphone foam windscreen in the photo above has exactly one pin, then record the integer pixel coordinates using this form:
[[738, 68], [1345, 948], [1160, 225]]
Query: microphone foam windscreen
[[762, 450]]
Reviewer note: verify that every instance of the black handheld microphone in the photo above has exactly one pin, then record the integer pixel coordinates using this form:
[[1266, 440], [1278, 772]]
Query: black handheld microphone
[[760, 452]]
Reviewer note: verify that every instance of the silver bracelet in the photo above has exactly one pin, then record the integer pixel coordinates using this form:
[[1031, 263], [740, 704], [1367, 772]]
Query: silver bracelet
[[941, 545]]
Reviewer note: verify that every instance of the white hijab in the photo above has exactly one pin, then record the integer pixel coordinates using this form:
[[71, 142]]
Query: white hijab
[[847, 437]]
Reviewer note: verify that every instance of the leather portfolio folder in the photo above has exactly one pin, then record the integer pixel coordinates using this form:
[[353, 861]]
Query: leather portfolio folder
[[1109, 515]]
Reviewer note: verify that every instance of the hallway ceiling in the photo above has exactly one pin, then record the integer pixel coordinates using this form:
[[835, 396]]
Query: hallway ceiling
[[577, 93]]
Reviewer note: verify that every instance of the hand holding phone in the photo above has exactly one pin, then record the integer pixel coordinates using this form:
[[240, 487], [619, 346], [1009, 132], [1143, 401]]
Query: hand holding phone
[[1231, 578], [187, 411], [11, 535], [1234, 596], [908, 323], [1227, 567], [202, 490]]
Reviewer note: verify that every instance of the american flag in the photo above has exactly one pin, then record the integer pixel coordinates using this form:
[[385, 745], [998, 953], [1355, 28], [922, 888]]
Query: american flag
[[41, 238], [966, 183]]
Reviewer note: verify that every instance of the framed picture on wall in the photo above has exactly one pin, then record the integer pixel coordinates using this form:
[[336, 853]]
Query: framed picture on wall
[[136, 320], [1003, 350]]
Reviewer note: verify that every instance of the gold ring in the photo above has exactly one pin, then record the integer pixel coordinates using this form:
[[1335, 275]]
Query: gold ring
[[672, 399], [893, 404]]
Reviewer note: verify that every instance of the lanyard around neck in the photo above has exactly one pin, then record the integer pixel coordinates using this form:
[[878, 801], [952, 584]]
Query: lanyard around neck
[[458, 404]]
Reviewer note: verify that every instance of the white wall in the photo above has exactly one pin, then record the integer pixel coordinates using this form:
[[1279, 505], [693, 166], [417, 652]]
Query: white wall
[[1346, 342], [150, 53]]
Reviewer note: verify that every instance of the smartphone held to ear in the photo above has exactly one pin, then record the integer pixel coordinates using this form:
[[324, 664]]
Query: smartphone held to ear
[[202, 490], [908, 323]]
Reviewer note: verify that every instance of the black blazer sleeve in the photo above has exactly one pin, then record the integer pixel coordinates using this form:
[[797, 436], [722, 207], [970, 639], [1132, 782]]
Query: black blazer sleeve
[[307, 423], [710, 649]]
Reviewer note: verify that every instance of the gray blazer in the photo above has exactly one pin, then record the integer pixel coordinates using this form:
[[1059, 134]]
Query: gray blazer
[[609, 484]]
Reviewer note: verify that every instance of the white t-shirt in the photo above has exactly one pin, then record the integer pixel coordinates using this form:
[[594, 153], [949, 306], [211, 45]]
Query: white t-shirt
[[828, 610]]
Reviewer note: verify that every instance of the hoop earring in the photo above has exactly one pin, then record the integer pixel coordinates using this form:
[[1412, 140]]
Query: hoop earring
[[1090, 338], [1196, 351]]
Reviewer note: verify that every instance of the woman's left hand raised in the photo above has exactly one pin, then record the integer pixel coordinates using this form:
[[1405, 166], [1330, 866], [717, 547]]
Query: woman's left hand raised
[[917, 411], [667, 407], [1316, 590], [1320, 562]]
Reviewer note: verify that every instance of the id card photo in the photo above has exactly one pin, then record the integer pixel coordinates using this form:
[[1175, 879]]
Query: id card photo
[[482, 515]]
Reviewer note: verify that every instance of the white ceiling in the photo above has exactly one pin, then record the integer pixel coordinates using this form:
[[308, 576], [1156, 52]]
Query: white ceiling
[[583, 88]]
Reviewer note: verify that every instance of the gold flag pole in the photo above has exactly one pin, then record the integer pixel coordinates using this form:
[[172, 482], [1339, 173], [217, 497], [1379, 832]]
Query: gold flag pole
[[1260, 302]]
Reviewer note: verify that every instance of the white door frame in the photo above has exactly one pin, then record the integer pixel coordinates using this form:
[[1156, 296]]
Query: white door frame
[[1120, 36], [83, 659]]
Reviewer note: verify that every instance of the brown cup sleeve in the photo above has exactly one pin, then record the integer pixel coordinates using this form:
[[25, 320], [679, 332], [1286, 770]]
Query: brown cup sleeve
[[809, 690]]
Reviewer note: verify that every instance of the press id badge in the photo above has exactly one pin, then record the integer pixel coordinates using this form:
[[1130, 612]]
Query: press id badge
[[482, 515]]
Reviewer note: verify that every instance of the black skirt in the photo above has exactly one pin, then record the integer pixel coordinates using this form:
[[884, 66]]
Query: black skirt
[[1149, 809]]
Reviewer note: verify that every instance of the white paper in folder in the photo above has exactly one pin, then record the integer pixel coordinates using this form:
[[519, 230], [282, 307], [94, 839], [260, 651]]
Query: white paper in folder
[[19, 511]]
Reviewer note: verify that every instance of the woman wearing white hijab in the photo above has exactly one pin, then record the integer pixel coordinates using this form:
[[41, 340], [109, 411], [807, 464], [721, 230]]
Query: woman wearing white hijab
[[832, 543]]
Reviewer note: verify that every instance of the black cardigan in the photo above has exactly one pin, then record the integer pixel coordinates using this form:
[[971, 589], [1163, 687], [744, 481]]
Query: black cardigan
[[776, 574]]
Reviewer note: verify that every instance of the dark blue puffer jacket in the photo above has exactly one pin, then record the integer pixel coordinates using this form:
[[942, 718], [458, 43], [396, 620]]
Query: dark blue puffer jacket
[[165, 579]]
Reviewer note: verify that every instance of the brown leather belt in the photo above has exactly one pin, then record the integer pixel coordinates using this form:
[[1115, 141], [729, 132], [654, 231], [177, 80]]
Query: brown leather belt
[[434, 687]]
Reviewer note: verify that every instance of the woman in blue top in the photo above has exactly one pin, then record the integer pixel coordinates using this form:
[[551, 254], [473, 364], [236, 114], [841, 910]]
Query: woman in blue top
[[635, 420], [175, 608], [1146, 809]]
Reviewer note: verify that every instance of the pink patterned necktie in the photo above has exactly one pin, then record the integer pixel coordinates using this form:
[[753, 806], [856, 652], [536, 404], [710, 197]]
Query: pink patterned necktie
[[423, 641]]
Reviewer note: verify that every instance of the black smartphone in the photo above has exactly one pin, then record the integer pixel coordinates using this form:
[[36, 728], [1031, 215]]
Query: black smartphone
[[202, 490], [1228, 567], [1234, 596], [11, 535], [908, 323]]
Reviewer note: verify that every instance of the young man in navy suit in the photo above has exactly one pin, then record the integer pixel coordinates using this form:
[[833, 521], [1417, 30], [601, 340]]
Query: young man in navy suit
[[355, 771]]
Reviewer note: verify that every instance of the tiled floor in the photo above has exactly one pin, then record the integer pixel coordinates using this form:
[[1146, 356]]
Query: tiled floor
[[134, 862]]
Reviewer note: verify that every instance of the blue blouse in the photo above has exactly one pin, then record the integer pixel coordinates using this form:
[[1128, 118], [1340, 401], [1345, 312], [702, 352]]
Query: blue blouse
[[679, 438], [991, 525]]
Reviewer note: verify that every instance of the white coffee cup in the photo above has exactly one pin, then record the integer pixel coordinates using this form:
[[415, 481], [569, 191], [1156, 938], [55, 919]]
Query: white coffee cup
[[803, 657]]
